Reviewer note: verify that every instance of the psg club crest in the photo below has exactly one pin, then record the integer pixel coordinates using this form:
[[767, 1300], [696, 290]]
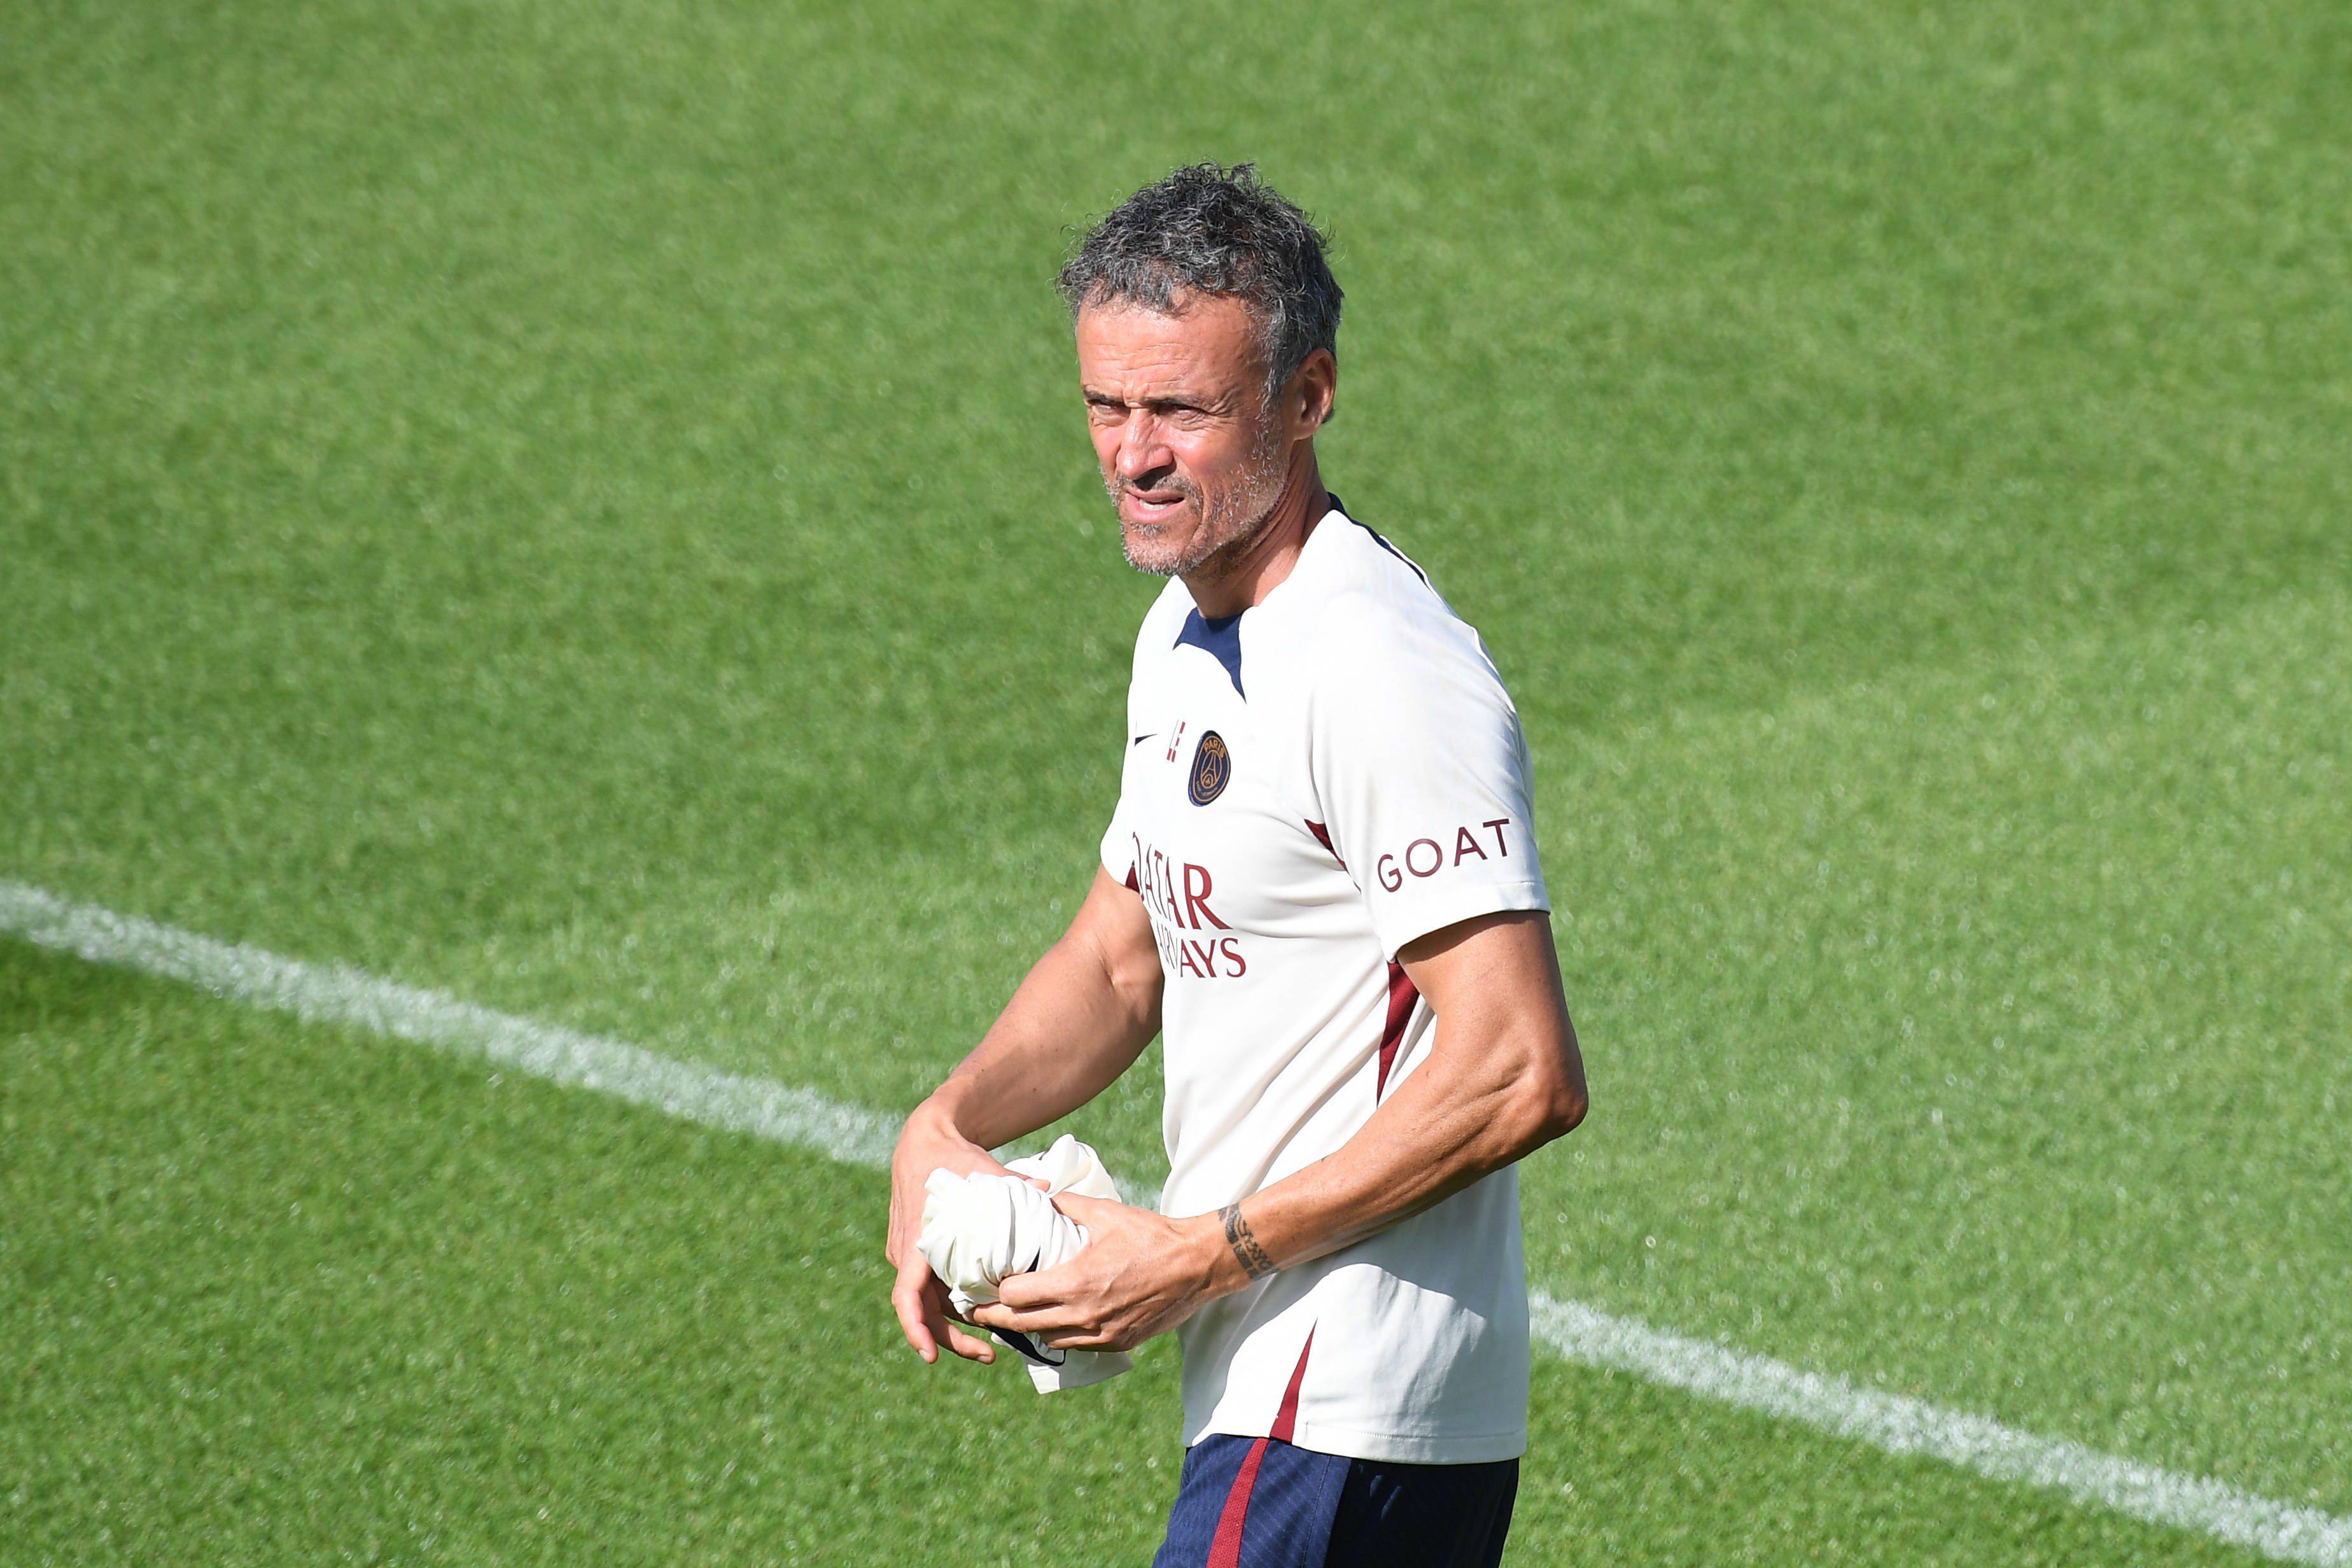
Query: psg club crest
[[1212, 766]]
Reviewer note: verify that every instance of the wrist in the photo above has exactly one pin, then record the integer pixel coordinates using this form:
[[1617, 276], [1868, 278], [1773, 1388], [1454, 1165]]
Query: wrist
[[1221, 1269], [933, 1115], [930, 1128]]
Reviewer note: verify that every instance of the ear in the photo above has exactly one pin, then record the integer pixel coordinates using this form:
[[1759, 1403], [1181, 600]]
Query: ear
[[1314, 387]]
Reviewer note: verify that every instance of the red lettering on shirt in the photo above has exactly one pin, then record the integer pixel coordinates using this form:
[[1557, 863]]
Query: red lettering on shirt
[[1424, 857], [1196, 899]]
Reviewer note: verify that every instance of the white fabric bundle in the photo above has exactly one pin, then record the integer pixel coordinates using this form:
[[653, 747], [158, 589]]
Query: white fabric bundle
[[980, 1229]]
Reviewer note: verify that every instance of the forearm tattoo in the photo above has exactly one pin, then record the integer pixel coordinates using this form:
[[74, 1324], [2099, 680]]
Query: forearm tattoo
[[1254, 1258]]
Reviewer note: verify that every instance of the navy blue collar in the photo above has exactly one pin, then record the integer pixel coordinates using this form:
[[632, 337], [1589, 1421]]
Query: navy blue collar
[[1221, 636]]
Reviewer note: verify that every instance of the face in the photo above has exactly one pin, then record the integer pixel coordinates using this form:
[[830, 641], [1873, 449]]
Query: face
[[1192, 451]]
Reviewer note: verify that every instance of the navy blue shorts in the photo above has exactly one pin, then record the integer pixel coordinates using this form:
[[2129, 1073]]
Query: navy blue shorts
[[1260, 1502]]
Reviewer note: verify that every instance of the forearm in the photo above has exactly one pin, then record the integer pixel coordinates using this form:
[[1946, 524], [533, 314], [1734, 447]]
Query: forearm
[[1503, 1078], [1439, 1132], [1077, 1022]]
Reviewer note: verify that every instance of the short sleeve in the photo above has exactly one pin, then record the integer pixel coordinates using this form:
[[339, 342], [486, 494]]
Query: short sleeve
[[1117, 841], [1421, 769], [1117, 853], [1119, 845]]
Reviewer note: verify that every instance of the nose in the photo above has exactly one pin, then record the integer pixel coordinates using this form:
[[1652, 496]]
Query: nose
[[1142, 448]]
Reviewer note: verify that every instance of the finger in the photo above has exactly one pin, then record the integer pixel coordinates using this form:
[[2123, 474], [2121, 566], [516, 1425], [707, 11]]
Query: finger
[[1088, 1212], [911, 1324], [940, 1316], [970, 1347], [1026, 1293], [919, 1317], [943, 1318], [997, 1315], [906, 1228]]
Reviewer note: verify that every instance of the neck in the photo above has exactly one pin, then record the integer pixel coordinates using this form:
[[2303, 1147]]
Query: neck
[[1228, 587]]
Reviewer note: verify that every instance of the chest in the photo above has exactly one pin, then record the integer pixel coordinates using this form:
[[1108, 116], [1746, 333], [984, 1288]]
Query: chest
[[1217, 803]]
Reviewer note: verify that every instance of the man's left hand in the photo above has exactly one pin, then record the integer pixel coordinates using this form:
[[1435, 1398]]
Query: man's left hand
[[1139, 1273]]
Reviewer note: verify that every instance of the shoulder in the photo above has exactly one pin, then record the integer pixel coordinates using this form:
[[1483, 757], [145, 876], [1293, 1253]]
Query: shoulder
[[1380, 632], [1351, 556]]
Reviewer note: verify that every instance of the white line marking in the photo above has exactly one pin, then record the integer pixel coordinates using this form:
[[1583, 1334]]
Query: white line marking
[[337, 993], [1901, 1425]]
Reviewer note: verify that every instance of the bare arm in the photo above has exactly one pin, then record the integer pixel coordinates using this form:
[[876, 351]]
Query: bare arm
[[1503, 1079], [1080, 1019]]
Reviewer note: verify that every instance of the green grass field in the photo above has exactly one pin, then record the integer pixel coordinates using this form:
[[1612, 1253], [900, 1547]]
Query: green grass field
[[585, 507]]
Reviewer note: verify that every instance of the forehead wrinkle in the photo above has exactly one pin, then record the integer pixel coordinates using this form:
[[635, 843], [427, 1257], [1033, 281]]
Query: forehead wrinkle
[[1147, 366]]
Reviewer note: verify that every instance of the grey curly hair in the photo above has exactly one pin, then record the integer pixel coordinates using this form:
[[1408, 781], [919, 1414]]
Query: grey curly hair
[[1213, 230]]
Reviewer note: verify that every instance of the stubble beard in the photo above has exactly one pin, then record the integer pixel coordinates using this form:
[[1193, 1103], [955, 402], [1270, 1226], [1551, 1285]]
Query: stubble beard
[[1229, 525]]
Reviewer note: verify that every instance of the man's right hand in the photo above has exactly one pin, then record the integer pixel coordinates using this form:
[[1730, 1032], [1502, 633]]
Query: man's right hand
[[1081, 1016], [928, 1143]]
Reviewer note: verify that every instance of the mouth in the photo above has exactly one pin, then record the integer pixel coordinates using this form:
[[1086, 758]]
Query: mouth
[[1148, 507]]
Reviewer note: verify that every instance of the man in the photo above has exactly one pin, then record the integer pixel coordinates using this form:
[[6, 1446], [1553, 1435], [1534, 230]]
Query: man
[[1322, 885]]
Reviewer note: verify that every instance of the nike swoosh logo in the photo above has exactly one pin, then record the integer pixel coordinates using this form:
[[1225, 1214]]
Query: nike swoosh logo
[[1145, 736]]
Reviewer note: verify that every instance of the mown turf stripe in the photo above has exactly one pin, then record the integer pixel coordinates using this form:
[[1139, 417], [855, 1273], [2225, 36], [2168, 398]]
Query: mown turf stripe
[[337, 993], [1900, 1424]]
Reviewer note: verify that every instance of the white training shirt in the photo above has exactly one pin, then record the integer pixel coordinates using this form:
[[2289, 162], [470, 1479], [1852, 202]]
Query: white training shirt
[[1309, 785]]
